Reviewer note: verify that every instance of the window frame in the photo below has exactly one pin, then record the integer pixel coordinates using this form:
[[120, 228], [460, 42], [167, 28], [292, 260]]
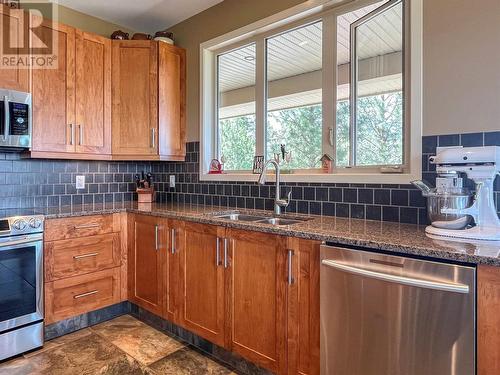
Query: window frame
[[296, 17]]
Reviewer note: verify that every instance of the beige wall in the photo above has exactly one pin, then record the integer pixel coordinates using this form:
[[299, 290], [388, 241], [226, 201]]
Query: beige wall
[[461, 59], [461, 66], [87, 23], [220, 19]]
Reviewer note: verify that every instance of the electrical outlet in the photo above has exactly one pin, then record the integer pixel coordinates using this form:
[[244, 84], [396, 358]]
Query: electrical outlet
[[172, 181], [80, 182]]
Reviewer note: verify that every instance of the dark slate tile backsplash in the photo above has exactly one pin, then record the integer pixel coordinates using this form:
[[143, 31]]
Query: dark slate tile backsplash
[[399, 203], [26, 183]]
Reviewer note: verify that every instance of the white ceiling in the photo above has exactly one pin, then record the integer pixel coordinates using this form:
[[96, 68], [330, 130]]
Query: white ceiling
[[299, 51], [141, 15]]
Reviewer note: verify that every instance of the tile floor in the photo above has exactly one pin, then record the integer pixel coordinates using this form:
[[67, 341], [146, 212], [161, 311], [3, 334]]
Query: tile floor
[[122, 346]]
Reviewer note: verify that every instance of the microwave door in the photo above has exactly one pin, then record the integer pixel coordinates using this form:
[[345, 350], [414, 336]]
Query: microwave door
[[18, 119]]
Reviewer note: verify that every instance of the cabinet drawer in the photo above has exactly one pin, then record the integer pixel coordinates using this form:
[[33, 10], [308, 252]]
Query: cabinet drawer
[[66, 258], [83, 226], [77, 295]]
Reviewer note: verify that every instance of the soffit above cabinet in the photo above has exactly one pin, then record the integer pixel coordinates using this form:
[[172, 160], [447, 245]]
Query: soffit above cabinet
[[145, 15]]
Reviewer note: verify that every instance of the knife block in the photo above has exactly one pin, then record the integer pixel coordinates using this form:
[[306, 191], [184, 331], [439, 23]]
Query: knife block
[[145, 195]]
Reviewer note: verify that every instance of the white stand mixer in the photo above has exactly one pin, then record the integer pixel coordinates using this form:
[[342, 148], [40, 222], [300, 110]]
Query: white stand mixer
[[480, 164]]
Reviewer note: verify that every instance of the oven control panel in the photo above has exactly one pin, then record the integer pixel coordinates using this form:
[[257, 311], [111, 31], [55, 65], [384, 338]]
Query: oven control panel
[[18, 225]]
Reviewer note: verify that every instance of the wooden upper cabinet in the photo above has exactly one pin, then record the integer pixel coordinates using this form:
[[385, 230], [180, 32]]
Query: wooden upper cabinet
[[202, 272], [14, 23], [257, 284], [93, 94], [53, 93], [146, 286], [172, 102], [303, 335], [135, 99]]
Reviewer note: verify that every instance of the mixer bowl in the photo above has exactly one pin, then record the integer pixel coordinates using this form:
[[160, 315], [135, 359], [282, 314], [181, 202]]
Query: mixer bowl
[[436, 202]]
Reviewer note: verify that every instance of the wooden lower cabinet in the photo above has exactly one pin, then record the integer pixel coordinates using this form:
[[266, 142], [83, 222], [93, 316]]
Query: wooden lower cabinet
[[74, 257], [172, 276], [253, 293], [303, 341], [65, 298], [82, 265], [488, 320], [202, 277], [146, 253], [78, 227], [256, 285]]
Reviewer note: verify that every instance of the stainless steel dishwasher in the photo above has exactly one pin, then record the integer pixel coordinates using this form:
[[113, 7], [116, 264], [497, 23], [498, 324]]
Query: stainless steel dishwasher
[[391, 315]]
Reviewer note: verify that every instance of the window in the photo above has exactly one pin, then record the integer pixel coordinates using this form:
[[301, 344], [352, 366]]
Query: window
[[376, 98], [333, 82], [236, 108], [294, 96]]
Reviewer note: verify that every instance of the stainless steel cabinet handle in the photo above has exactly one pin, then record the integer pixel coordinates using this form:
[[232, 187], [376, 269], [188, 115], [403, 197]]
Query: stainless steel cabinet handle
[[226, 262], [87, 226], [217, 252], [80, 136], [172, 235], [291, 280], [153, 138], [76, 257], [71, 134], [85, 294], [445, 287], [156, 237]]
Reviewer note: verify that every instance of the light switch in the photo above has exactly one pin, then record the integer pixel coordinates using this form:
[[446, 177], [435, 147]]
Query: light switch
[[172, 181], [80, 182]]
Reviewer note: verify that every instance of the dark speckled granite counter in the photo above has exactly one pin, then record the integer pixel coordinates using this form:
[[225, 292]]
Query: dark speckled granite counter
[[391, 237]]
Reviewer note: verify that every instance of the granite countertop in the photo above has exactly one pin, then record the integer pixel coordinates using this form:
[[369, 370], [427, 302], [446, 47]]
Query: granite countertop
[[391, 237]]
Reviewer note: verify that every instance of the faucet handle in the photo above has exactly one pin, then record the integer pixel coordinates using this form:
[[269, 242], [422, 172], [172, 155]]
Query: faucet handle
[[285, 202]]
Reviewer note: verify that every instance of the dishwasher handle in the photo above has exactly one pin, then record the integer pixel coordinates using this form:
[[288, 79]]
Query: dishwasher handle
[[444, 287]]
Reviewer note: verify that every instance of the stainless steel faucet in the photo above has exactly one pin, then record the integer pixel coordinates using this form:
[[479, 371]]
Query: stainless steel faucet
[[278, 202]]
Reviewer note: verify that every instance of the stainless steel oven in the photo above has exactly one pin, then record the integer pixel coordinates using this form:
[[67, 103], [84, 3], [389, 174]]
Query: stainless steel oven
[[21, 284], [15, 120]]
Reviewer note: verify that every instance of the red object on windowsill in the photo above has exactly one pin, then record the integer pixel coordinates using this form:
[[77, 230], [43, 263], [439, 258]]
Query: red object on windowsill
[[215, 167]]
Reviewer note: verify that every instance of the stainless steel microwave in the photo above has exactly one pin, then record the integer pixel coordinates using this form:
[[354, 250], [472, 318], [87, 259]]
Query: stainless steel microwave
[[15, 120]]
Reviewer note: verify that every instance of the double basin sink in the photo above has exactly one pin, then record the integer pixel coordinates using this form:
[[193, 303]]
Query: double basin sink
[[261, 219]]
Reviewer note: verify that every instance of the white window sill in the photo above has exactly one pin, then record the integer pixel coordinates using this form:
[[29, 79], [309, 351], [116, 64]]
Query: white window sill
[[349, 178]]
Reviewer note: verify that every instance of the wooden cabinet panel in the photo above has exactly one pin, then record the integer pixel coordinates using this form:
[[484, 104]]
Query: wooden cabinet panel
[[303, 341], [145, 262], [13, 23], [135, 99], [76, 295], [80, 256], [488, 320], [172, 102], [93, 94], [53, 94], [202, 273], [172, 278], [84, 226], [257, 298]]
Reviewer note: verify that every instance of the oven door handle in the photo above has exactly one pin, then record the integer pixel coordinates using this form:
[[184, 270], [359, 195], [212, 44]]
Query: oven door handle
[[24, 240]]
